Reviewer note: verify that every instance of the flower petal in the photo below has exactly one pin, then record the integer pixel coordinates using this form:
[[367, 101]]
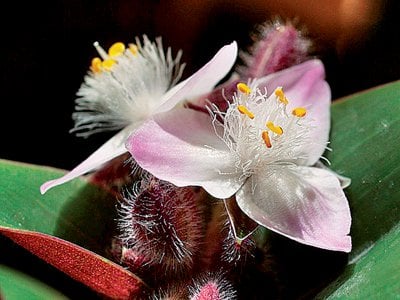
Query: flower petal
[[304, 86], [180, 146], [344, 181], [303, 203], [111, 149], [203, 80]]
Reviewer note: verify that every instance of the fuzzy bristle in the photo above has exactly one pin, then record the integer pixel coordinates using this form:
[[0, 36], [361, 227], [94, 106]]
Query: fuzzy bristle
[[212, 287], [164, 222]]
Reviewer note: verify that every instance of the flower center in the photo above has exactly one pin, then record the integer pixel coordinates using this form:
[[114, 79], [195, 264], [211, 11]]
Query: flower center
[[270, 126]]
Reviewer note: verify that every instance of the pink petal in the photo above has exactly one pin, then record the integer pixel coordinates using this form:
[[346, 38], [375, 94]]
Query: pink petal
[[303, 203], [111, 149], [180, 146], [203, 80], [304, 86]]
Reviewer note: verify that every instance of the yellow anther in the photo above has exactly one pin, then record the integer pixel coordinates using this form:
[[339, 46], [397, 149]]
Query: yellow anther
[[134, 49], [116, 49], [244, 110], [108, 63], [275, 129], [299, 112], [244, 88], [96, 65], [265, 137], [281, 95]]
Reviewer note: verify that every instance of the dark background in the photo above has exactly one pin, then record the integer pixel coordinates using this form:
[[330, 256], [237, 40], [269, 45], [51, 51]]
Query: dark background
[[47, 48]]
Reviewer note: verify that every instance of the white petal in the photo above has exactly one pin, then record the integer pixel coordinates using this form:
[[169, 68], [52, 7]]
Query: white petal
[[203, 80], [303, 203], [111, 149], [344, 181], [180, 146]]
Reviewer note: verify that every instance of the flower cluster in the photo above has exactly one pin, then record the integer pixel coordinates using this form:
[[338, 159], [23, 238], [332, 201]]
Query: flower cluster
[[215, 163]]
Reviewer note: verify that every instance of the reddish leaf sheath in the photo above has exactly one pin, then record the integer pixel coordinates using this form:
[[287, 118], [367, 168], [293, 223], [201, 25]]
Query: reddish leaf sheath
[[98, 273]]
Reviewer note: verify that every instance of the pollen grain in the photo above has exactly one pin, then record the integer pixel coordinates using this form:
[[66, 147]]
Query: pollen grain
[[108, 63], [299, 112], [245, 111], [275, 129], [133, 49], [244, 88], [281, 95], [267, 140], [116, 49], [96, 65]]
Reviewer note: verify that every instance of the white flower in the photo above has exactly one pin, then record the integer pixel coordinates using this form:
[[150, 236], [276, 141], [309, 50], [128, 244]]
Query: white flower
[[263, 150], [130, 85], [126, 86]]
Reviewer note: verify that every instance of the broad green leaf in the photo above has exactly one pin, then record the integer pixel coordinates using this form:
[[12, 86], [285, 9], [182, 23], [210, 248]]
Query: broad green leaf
[[16, 285], [376, 275], [50, 226], [77, 211], [365, 138]]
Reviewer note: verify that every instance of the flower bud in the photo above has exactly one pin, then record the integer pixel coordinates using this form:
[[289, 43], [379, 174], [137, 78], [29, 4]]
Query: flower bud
[[164, 223], [278, 46], [212, 287]]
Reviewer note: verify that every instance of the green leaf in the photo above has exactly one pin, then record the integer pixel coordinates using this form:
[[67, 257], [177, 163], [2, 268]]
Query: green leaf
[[365, 139], [16, 285], [77, 211], [52, 226], [375, 275]]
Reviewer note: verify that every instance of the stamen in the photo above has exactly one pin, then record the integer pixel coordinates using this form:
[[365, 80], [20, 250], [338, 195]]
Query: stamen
[[100, 50], [134, 49], [116, 49], [299, 112], [243, 110], [96, 65], [108, 63], [281, 95], [244, 88], [265, 137], [275, 129]]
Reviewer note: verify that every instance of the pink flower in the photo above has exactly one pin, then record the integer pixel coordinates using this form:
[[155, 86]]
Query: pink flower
[[130, 86], [263, 150]]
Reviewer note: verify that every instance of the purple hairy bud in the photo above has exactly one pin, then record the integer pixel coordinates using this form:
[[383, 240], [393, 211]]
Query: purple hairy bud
[[162, 222], [277, 46], [212, 287]]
